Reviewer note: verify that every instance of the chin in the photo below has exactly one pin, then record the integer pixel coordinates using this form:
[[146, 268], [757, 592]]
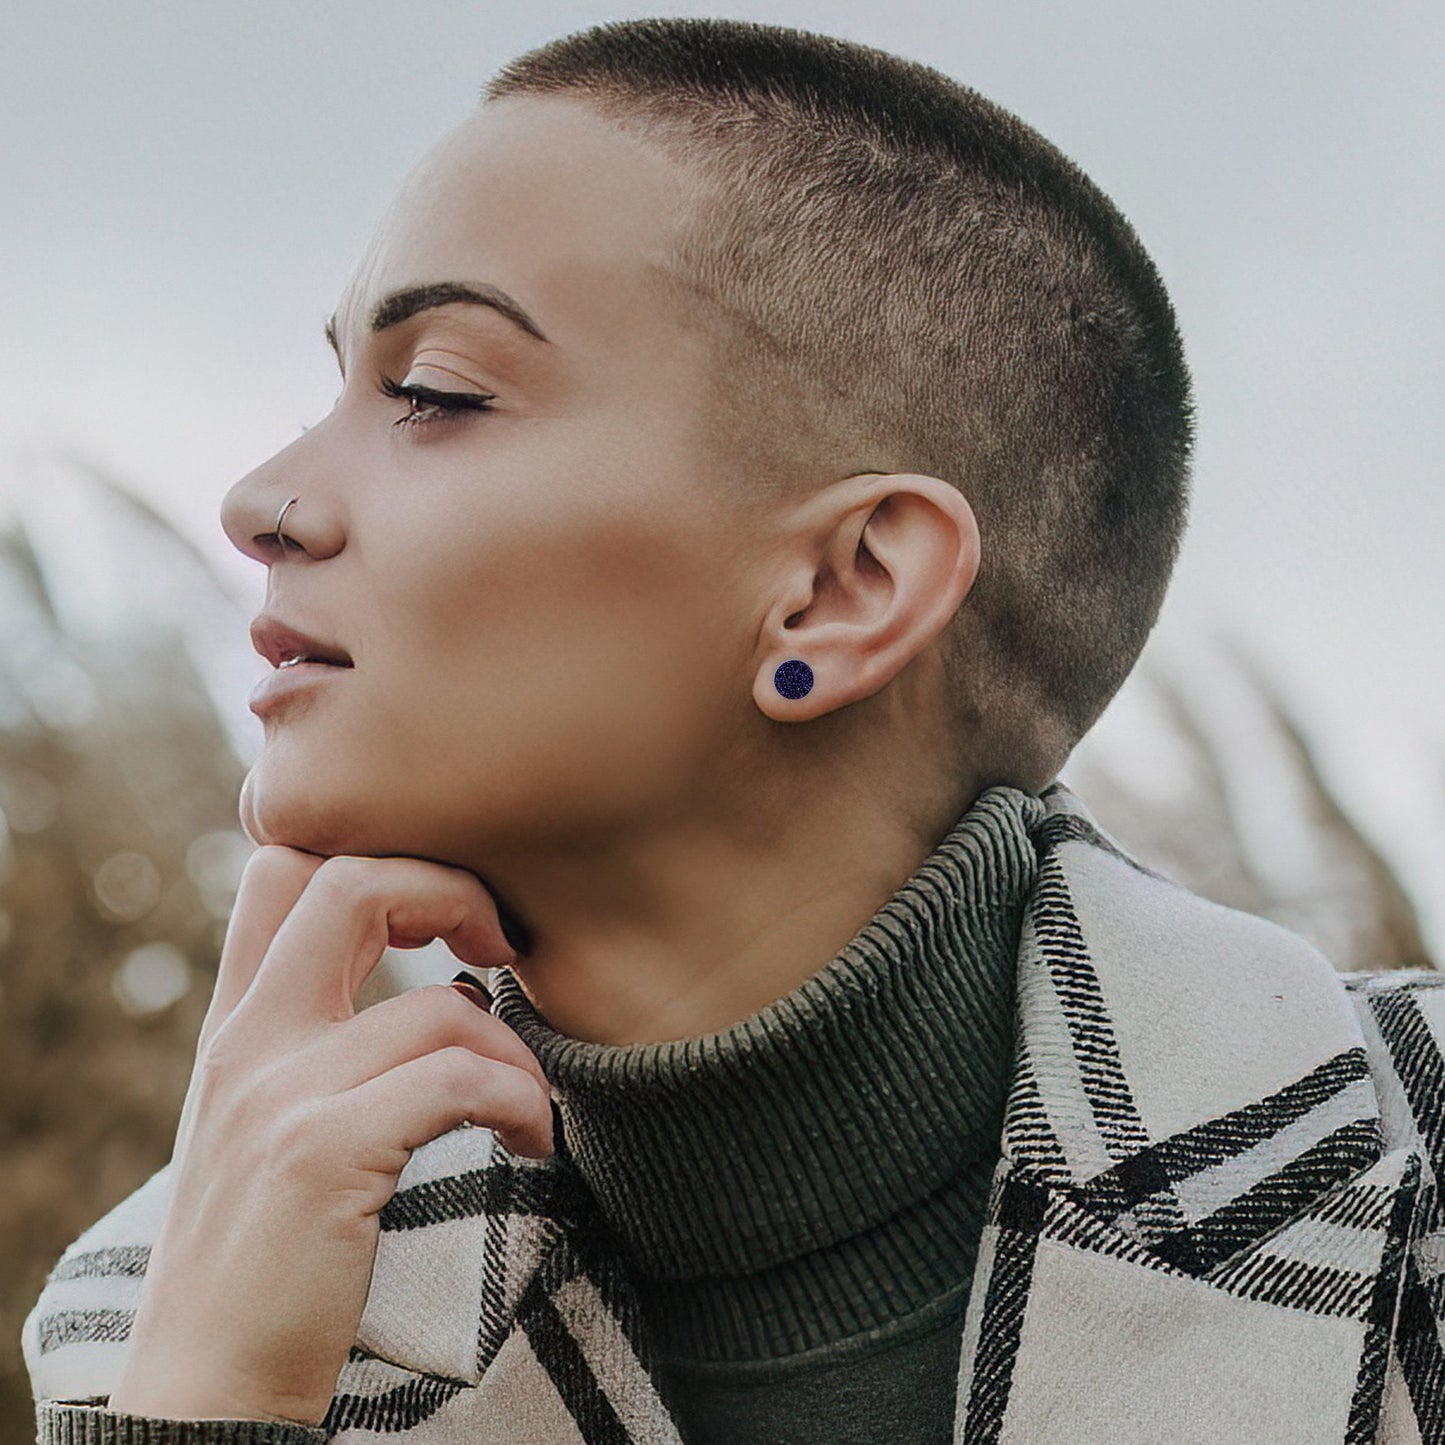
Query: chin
[[291, 814]]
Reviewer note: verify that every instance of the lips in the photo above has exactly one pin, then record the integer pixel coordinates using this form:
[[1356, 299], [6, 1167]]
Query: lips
[[278, 642], [280, 687]]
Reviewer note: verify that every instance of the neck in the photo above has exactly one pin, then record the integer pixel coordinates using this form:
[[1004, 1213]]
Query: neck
[[716, 925]]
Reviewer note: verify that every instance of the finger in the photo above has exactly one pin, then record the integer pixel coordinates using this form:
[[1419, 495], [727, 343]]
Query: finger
[[429, 1096], [407, 1026], [350, 911], [271, 882]]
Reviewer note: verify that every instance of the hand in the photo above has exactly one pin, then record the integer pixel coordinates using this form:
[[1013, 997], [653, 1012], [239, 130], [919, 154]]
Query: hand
[[300, 1115]]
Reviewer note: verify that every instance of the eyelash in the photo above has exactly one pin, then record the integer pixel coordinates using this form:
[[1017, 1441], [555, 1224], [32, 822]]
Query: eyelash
[[443, 404]]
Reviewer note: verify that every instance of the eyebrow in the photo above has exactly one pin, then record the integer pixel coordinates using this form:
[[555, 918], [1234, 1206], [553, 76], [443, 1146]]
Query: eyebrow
[[401, 305]]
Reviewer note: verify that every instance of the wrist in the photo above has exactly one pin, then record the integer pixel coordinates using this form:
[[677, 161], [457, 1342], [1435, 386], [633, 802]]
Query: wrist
[[181, 1392], [166, 1374]]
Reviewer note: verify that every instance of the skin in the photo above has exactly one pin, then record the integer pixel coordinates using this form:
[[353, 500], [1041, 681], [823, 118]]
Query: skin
[[565, 614], [300, 1116]]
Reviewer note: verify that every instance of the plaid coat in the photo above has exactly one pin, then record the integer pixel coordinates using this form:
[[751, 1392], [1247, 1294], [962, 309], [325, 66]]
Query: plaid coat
[[1215, 1217]]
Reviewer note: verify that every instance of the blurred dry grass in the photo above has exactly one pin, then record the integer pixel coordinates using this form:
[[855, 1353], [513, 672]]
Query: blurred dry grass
[[120, 851], [118, 835]]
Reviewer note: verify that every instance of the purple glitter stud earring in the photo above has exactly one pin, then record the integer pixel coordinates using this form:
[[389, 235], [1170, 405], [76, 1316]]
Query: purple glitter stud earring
[[794, 679]]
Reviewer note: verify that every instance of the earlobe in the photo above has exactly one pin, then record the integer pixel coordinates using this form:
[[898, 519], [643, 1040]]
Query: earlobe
[[788, 683]]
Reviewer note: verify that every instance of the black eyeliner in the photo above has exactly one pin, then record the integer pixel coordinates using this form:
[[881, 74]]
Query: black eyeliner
[[430, 396]]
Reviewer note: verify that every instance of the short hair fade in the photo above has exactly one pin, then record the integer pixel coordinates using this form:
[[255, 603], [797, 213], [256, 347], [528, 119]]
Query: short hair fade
[[900, 275]]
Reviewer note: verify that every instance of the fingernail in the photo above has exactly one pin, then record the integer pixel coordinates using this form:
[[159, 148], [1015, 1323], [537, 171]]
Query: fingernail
[[479, 994]]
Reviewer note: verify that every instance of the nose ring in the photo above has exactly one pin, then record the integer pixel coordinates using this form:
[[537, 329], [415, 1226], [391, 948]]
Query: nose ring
[[280, 517]]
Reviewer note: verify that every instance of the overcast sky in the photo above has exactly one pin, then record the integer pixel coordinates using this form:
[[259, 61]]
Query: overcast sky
[[184, 189]]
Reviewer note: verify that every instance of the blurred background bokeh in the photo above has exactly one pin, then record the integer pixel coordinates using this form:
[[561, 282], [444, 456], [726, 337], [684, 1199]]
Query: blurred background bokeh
[[181, 184]]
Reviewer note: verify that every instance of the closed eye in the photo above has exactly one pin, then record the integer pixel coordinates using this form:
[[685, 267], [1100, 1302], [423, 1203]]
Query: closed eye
[[429, 405]]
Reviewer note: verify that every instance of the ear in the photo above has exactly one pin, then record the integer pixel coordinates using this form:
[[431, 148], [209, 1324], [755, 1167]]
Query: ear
[[880, 565]]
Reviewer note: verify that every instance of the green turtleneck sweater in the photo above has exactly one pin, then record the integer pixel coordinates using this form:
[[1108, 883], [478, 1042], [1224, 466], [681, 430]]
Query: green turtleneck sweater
[[801, 1195]]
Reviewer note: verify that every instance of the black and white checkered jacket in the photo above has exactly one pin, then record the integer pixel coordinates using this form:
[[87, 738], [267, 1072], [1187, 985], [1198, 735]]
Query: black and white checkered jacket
[[1215, 1218]]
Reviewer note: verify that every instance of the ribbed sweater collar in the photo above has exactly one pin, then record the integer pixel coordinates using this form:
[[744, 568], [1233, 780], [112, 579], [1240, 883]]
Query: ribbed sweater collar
[[839, 1128]]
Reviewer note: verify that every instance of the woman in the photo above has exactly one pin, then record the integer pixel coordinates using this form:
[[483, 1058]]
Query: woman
[[758, 461]]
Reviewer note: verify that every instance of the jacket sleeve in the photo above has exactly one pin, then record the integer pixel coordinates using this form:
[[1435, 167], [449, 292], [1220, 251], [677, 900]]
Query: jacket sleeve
[[65, 1422]]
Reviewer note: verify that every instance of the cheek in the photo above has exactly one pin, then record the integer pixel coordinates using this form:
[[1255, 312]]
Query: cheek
[[572, 665], [514, 588]]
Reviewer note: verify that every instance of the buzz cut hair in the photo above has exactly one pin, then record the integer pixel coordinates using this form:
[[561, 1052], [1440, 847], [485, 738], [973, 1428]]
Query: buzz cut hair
[[896, 274]]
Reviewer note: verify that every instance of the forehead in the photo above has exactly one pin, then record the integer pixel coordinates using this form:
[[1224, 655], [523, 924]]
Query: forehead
[[544, 198]]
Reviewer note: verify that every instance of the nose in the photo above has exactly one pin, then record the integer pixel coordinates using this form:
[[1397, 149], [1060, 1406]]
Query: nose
[[250, 508]]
